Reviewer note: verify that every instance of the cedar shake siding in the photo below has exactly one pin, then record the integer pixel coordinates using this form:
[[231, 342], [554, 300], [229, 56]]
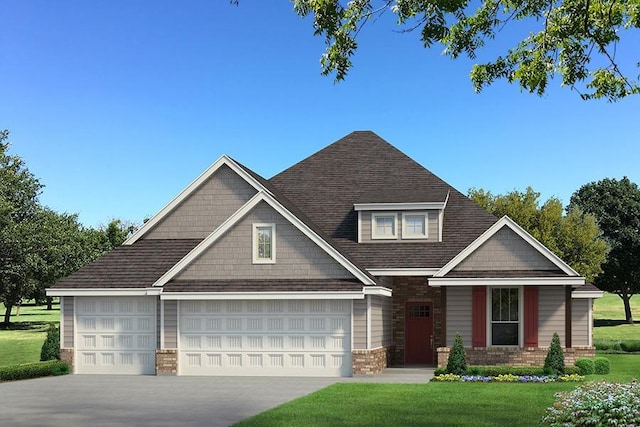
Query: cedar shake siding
[[505, 251], [170, 324], [67, 321], [359, 324], [433, 230], [459, 314], [206, 208], [551, 305], [580, 326], [297, 257]]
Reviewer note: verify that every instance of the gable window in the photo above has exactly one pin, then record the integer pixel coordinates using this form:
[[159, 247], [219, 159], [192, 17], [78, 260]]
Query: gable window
[[505, 315], [384, 226], [414, 226], [264, 243]]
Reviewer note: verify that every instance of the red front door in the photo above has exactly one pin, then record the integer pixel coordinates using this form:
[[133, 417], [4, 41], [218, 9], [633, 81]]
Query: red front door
[[419, 333]]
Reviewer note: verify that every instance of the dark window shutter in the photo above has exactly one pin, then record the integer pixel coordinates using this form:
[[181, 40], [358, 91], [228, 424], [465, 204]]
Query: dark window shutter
[[479, 316], [530, 316]]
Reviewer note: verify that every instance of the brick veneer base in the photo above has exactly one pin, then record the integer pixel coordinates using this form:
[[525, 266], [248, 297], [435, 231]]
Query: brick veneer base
[[66, 355], [167, 362], [515, 356], [370, 362]]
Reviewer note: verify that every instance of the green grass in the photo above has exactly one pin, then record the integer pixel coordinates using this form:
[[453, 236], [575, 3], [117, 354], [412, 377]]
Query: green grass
[[609, 319], [23, 341], [431, 404]]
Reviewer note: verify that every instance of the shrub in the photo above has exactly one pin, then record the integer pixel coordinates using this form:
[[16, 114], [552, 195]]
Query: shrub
[[600, 404], [630, 346], [34, 370], [51, 347], [586, 366], [554, 362], [494, 371], [457, 362], [601, 365], [440, 371]]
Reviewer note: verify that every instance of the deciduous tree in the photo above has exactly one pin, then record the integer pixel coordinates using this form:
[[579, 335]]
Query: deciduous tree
[[575, 39], [616, 206]]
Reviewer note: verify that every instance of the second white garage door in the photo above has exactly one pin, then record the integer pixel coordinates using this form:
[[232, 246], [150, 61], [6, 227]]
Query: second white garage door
[[265, 338]]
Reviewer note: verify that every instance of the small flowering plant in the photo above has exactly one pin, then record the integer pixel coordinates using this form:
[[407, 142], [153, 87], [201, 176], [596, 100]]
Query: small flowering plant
[[596, 404], [508, 378]]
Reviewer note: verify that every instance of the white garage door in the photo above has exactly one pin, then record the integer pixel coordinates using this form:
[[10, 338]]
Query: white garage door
[[115, 335], [265, 338]]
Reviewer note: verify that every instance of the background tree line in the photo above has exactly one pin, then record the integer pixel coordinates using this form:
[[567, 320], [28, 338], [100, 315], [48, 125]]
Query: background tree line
[[39, 246]]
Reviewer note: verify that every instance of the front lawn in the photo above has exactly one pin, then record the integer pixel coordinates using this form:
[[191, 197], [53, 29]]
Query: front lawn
[[608, 318], [431, 404], [23, 341]]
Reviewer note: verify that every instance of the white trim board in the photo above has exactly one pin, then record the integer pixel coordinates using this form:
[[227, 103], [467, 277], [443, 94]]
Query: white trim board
[[400, 206], [505, 221], [204, 176], [262, 196], [102, 292], [506, 281]]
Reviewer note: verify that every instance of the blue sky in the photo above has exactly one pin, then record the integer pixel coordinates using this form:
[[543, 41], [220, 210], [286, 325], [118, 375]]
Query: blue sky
[[116, 106]]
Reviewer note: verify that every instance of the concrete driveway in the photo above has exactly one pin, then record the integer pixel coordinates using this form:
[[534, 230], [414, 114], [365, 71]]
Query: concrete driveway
[[105, 400], [110, 400]]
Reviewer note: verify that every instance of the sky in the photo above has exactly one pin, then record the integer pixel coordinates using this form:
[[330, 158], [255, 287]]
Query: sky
[[116, 106]]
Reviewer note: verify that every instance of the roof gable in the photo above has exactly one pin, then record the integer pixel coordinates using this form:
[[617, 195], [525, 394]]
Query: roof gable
[[227, 170], [506, 238]]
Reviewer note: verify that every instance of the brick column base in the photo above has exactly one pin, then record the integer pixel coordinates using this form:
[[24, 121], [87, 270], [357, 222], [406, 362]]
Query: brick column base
[[533, 356], [66, 355], [166, 362], [370, 362]]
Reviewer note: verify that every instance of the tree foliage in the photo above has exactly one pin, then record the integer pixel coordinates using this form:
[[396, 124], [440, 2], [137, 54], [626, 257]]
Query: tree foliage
[[616, 206], [37, 245], [574, 237], [554, 362], [457, 362], [574, 39]]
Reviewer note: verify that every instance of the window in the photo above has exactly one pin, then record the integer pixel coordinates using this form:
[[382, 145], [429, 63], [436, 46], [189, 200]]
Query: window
[[264, 243], [414, 226], [505, 309], [384, 226]]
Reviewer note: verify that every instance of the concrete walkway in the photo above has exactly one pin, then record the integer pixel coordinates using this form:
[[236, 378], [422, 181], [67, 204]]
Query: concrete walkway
[[110, 400]]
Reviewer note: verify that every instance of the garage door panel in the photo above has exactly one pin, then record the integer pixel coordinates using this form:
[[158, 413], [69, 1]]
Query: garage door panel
[[116, 335], [297, 337]]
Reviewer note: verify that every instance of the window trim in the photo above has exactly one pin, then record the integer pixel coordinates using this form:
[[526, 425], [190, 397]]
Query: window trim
[[254, 242], [406, 235], [520, 316], [375, 235]]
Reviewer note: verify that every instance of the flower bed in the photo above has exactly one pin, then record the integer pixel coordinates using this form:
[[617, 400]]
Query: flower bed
[[508, 378]]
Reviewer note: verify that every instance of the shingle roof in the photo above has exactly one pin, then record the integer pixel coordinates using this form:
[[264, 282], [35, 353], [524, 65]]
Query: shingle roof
[[505, 273], [326, 185], [282, 285], [130, 266]]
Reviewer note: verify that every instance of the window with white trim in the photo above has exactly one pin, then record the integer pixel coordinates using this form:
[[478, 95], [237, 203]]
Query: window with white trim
[[505, 316], [264, 243], [384, 226], [414, 226]]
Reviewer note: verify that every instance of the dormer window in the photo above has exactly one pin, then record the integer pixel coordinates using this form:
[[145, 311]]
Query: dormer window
[[384, 226], [414, 225]]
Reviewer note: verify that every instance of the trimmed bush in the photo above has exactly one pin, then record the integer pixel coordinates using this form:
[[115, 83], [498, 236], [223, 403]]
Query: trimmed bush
[[596, 404], [586, 366], [617, 346], [34, 370], [51, 347], [457, 362], [630, 346], [554, 362], [494, 371], [601, 365]]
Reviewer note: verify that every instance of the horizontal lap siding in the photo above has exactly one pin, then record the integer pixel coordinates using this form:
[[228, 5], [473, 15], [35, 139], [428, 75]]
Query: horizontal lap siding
[[170, 324], [459, 314], [67, 320], [381, 333], [359, 324], [205, 209], [580, 327], [551, 314], [297, 256]]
